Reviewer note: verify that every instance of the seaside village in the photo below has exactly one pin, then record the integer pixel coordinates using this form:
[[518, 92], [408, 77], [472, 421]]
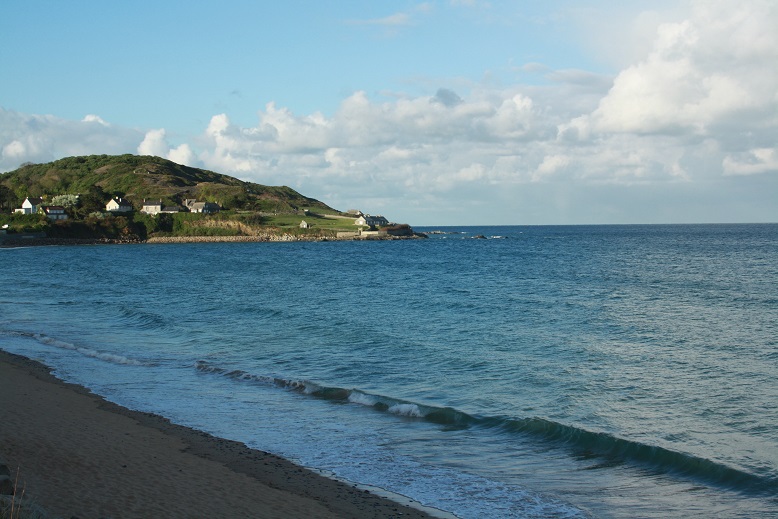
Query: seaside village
[[368, 225], [33, 205]]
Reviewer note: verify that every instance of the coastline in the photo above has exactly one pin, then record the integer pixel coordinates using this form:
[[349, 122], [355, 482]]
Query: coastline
[[260, 238], [79, 455]]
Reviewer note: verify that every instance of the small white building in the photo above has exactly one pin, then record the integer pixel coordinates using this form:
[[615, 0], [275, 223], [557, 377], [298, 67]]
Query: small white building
[[30, 205], [153, 207], [201, 207], [118, 205], [371, 221]]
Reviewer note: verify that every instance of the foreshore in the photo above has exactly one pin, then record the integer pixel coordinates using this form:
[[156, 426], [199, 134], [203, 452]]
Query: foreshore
[[31, 242], [78, 455]]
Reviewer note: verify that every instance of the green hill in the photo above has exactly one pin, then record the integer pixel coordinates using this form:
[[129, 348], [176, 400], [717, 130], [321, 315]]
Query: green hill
[[145, 177], [248, 210]]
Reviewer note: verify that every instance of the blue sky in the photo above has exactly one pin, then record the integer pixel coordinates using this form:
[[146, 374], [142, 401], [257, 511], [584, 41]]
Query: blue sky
[[432, 113]]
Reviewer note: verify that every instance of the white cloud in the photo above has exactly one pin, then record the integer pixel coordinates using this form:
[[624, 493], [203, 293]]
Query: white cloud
[[183, 154], [550, 165], [752, 162], [227, 149], [91, 118], [43, 138], [155, 143], [702, 73]]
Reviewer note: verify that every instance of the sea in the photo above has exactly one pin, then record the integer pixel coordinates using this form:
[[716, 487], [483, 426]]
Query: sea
[[615, 371]]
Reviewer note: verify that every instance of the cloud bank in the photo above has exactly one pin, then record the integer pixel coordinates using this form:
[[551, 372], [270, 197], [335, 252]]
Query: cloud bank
[[701, 105]]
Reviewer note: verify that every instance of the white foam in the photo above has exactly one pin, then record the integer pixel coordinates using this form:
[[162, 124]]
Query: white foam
[[87, 352], [357, 397], [406, 410]]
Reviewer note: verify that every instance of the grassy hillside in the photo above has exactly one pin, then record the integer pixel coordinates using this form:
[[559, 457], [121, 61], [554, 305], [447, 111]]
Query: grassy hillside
[[138, 177], [248, 209]]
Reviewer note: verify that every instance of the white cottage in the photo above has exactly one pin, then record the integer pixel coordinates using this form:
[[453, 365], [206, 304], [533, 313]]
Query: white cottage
[[201, 207], [151, 207], [118, 205], [30, 205], [371, 221]]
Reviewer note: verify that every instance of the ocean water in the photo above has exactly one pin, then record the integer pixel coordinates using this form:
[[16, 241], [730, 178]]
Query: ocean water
[[582, 371]]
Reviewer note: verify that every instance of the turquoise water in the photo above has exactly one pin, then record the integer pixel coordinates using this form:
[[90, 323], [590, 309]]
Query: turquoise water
[[583, 371]]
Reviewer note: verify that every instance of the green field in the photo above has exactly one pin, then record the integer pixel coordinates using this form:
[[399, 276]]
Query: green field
[[315, 222]]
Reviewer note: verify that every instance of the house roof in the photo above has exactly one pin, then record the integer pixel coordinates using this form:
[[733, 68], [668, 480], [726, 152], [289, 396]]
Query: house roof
[[121, 201]]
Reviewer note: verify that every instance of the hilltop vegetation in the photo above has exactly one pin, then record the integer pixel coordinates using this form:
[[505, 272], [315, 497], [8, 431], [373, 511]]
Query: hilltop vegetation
[[145, 177], [83, 186]]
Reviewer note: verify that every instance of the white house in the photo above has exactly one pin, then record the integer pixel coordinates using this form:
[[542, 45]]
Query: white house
[[371, 221], [201, 207], [153, 207], [30, 205], [118, 205]]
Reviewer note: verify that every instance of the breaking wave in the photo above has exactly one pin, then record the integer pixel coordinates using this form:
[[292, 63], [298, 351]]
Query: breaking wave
[[87, 352], [578, 441]]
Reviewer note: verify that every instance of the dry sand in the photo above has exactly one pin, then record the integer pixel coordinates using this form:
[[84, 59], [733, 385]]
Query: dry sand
[[81, 456]]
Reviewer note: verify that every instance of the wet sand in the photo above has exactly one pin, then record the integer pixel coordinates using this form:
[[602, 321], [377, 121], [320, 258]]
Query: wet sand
[[79, 455]]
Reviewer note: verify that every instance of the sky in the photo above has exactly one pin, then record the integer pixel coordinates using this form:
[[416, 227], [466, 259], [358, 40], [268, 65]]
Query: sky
[[448, 112]]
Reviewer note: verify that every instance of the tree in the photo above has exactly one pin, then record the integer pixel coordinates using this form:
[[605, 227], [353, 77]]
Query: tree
[[93, 200], [8, 200], [66, 201]]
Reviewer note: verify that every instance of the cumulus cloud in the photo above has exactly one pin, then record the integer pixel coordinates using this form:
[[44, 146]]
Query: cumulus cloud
[[42, 138], [91, 118], [702, 74], [424, 142], [699, 104], [155, 143], [752, 162]]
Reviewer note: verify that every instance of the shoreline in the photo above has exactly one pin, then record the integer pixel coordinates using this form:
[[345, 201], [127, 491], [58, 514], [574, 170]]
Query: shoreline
[[79, 455], [158, 240]]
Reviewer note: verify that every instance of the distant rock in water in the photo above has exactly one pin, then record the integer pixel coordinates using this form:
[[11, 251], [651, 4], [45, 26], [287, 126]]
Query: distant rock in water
[[479, 237]]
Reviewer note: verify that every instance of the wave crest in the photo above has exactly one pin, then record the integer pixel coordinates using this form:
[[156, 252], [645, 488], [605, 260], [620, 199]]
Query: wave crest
[[579, 441]]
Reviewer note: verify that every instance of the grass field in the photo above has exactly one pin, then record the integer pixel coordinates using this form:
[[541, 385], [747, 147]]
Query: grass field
[[315, 222]]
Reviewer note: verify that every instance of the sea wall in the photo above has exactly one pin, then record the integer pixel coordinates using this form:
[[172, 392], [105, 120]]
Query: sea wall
[[265, 237], [218, 239]]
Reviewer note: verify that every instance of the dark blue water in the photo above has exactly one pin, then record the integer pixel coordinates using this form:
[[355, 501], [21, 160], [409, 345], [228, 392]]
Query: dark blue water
[[607, 371]]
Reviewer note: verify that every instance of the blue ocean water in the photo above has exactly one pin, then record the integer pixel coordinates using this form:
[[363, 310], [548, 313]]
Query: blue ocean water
[[581, 371]]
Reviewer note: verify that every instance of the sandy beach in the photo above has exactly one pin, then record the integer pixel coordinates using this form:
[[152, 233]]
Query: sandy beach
[[78, 455]]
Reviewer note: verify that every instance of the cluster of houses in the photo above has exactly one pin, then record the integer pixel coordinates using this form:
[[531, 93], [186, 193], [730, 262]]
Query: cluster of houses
[[33, 205], [119, 205]]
